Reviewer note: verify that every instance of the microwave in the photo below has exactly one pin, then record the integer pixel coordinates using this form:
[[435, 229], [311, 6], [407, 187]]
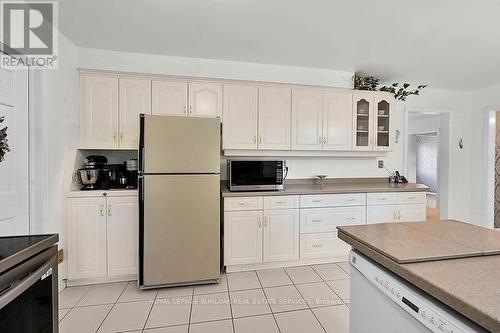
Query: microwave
[[255, 175]]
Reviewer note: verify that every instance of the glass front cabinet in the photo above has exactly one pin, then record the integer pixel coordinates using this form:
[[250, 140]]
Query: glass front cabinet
[[372, 120]]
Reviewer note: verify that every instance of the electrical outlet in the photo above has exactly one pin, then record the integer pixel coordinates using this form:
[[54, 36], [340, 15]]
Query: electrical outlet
[[380, 164]]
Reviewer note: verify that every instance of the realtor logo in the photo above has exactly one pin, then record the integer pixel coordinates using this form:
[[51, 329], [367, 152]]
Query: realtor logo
[[29, 34]]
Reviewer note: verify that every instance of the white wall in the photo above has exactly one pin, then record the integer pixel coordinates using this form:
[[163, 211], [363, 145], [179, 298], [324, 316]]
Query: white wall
[[457, 105], [482, 101]]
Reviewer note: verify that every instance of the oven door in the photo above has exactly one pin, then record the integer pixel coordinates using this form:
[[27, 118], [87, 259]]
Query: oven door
[[255, 175], [28, 295]]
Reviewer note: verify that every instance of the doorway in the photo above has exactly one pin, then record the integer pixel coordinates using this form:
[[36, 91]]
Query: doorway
[[427, 156]]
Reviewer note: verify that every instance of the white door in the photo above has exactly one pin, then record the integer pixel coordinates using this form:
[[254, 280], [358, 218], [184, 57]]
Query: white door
[[242, 237], [383, 110], [122, 234], [412, 213], [99, 111], [362, 106], [281, 235], [205, 99], [135, 98], [14, 176], [239, 117], [337, 120], [169, 98], [307, 114], [86, 242], [381, 214], [274, 118]]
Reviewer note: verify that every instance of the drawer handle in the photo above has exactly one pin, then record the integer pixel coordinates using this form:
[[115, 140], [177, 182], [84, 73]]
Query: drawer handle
[[350, 200], [316, 200], [317, 246], [242, 203], [350, 218], [281, 202], [381, 199], [413, 197], [316, 220]]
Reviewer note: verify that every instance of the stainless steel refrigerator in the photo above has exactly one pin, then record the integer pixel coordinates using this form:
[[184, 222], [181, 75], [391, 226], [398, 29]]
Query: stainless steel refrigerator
[[179, 205]]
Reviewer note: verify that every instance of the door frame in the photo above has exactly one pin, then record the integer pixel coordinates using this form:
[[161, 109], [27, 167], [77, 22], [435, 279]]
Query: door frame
[[443, 181]]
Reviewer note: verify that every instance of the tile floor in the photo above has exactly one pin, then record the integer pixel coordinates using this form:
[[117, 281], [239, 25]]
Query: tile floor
[[296, 299]]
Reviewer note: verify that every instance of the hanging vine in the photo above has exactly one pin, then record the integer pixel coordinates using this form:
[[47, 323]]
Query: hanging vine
[[4, 142]]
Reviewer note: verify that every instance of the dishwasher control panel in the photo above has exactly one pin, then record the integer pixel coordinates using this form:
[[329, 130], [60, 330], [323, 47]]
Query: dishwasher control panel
[[430, 315]]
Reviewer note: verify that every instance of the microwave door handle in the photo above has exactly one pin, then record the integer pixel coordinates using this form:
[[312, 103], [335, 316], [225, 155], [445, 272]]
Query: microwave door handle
[[20, 286]]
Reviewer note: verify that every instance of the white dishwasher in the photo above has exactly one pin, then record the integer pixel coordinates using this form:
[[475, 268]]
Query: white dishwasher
[[383, 302]]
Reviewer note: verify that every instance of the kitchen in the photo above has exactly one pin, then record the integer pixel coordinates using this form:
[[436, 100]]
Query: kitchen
[[204, 192]]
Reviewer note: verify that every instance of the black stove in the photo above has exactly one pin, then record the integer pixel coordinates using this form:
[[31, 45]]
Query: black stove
[[14, 244]]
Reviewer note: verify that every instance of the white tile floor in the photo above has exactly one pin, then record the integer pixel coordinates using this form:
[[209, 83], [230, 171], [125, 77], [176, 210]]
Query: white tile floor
[[299, 299]]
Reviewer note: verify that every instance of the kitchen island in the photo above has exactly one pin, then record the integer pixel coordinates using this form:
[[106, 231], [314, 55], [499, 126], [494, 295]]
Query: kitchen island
[[454, 264]]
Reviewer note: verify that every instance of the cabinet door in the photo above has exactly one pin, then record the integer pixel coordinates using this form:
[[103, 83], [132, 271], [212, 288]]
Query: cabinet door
[[274, 118], [381, 214], [99, 111], [169, 98], [281, 235], [122, 235], [242, 237], [362, 121], [135, 98], [412, 213], [86, 242], [382, 124], [307, 114], [239, 128], [337, 120], [205, 99]]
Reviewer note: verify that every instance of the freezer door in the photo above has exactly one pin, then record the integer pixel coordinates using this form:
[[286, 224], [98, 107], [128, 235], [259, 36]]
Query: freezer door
[[172, 144], [181, 229]]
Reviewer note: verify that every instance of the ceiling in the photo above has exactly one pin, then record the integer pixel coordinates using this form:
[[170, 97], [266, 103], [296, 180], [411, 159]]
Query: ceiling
[[447, 43]]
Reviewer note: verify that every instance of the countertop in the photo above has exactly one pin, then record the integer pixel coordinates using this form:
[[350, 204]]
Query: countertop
[[331, 186], [470, 284]]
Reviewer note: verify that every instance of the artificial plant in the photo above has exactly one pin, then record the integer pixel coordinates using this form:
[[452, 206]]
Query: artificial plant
[[4, 143]]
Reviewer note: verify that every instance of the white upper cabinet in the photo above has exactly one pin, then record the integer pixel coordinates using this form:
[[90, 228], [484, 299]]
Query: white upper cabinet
[[383, 115], [135, 98], [122, 234], [363, 120], [337, 120], [239, 117], [169, 98], [307, 114], [274, 118], [98, 111], [205, 99]]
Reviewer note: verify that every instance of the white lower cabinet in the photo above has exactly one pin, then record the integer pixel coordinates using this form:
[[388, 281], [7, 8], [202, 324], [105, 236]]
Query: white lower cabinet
[[102, 237], [242, 237], [261, 232], [281, 235]]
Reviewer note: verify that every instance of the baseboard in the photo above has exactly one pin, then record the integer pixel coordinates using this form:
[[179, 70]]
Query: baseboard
[[82, 282], [279, 264]]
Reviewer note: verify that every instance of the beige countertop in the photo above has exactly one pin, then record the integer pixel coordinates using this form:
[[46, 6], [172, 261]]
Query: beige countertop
[[332, 186], [470, 284]]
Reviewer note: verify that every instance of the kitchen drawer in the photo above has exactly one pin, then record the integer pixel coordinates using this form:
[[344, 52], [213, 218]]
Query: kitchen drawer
[[322, 245], [242, 203], [327, 219], [281, 202], [412, 197], [385, 198], [332, 200]]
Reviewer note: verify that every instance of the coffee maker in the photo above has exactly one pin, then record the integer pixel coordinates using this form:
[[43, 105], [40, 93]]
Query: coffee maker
[[90, 176]]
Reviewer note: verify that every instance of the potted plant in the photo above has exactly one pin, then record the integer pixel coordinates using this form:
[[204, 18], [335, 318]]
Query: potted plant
[[4, 143]]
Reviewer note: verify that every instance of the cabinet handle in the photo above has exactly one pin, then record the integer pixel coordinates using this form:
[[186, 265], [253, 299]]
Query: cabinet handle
[[185, 109], [399, 215], [325, 140], [190, 109], [350, 218], [102, 210], [260, 139], [316, 200], [317, 246], [320, 140], [121, 136], [395, 216], [349, 200], [260, 222], [254, 139], [109, 210], [114, 136], [265, 222], [412, 198], [316, 220]]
